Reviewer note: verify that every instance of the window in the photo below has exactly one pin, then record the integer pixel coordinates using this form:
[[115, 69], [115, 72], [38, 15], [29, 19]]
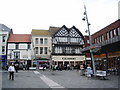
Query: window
[[41, 50], [77, 50], [17, 46], [58, 49], [97, 39], [102, 38], [111, 35], [45, 50], [94, 40], [107, 35], [29, 46], [3, 49], [115, 32], [17, 55], [88, 42], [41, 40], [118, 31], [76, 40], [62, 39], [45, 41], [36, 40], [3, 38], [36, 50], [68, 50]]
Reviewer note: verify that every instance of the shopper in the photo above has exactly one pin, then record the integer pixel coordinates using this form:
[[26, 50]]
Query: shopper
[[89, 71], [11, 71]]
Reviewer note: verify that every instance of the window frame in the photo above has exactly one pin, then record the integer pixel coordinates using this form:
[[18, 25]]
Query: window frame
[[42, 41], [41, 50]]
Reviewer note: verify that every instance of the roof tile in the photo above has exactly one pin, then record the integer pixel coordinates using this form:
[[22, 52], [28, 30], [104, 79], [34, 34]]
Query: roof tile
[[19, 38]]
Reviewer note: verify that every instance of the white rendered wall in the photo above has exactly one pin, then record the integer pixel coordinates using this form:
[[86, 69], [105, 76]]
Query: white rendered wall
[[25, 53]]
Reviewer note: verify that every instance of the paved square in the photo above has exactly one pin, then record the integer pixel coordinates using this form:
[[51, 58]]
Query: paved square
[[56, 79]]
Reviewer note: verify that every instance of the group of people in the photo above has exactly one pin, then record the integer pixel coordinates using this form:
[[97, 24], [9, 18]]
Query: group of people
[[61, 67], [86, 70]]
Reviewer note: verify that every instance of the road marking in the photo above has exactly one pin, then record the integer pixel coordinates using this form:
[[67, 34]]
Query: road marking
[[36, 72], [49, 82]]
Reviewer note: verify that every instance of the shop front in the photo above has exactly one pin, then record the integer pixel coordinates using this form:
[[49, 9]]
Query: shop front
[[72, 60], [111, 59], [40, 62]]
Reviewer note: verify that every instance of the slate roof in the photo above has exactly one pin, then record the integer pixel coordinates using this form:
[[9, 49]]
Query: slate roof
[[40, 32], [53, 30]]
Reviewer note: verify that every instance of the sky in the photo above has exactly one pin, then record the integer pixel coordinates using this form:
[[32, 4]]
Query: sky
[[24, 15]]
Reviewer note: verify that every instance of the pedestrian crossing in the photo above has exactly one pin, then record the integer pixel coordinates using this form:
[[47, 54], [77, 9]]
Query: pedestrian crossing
[[49, 82]]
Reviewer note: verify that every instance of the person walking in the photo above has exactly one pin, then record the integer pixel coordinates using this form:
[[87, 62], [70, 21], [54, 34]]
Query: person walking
[[89, 71], [16, 67], [11, 71], [82, 70]]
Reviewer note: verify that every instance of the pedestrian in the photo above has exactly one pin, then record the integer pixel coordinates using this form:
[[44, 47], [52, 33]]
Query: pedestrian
[[82, 70], [11, 71], [44, 67], [89, 71], [16, 67]]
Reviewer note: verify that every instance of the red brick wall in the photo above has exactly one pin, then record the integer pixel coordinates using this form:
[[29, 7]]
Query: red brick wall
[[108, 28]]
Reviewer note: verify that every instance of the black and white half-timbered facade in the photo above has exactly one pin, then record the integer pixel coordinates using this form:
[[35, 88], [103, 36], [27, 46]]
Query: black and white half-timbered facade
[[67, 44]]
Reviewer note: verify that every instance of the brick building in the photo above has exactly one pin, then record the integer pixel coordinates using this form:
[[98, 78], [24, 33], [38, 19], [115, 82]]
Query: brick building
[[106, 46]]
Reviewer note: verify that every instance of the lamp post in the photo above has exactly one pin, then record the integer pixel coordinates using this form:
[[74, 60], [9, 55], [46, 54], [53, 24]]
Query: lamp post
[[50, 61], [90, 40]]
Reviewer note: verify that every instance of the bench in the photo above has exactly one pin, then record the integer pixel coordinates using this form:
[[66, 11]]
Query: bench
[[101, 74]]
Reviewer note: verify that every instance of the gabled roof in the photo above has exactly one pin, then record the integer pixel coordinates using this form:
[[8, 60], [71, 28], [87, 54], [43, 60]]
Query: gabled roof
[[60, 29], [5, 28], [53, 30], [78, 31], [40, 32], [17, 38]]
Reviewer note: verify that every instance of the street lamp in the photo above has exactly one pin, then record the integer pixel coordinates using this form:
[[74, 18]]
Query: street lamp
[[90, 40], [50, 61]]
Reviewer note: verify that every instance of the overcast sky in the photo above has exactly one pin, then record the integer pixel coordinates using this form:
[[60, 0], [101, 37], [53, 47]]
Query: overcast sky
[[24, 15]]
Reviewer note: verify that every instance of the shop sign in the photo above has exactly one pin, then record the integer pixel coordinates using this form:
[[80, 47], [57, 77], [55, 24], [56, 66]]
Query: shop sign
[[68, 58]]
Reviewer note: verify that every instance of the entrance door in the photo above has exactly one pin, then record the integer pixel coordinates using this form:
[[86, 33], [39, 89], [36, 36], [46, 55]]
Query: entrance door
[[17, 55]]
